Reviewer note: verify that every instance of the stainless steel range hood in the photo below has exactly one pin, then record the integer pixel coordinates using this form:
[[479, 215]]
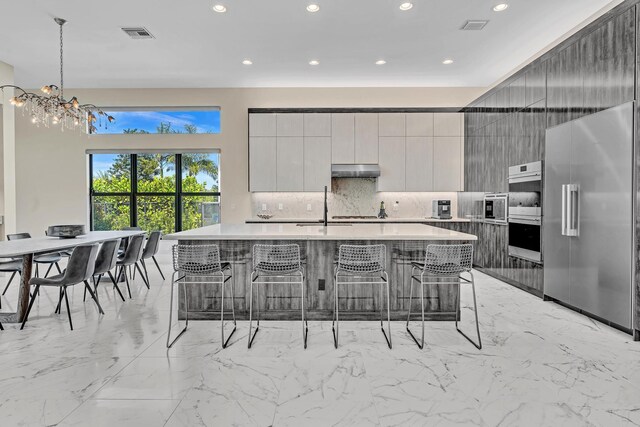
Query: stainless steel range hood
[[355, 171]]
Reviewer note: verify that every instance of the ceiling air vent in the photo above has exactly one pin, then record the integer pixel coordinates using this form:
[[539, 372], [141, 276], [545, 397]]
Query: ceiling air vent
[[138, 33], [474, 25]]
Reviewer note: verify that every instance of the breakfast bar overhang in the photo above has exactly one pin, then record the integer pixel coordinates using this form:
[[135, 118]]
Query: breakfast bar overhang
[[405, 243]]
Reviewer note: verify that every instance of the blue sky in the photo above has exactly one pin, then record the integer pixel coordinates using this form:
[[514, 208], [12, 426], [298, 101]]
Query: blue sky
[[102, 163], [207, 121]]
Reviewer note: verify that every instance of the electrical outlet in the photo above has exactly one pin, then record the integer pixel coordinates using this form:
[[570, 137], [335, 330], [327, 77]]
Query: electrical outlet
[[321, 284], [308, 207], [280, 206], [264, 206]]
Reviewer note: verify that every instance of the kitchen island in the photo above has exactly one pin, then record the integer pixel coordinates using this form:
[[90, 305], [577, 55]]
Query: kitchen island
[[319, 249]]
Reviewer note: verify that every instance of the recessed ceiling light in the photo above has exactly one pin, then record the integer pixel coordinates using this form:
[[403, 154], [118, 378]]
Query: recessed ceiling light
[[314, 62], [247, 62], [406, 6], [447, 61], [219, 8], [381, 62], [500, 7], [313, 8]]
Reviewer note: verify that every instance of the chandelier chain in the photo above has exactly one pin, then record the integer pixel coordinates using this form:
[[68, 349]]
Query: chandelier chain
[[61, 67]]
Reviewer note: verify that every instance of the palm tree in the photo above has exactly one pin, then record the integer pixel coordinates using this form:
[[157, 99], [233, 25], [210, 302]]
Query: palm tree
[[195, 163]]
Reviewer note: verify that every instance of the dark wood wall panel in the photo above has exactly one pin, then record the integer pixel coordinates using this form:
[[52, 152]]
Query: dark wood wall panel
[[593, 70]]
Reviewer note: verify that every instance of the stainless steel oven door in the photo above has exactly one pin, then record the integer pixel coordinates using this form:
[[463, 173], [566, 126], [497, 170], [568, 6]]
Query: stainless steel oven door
[[525, 238]]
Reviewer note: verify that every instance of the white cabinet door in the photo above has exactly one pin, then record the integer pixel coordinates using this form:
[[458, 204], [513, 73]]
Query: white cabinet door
[[262, 163], [419, 163], [343, 138], [447, 163], [391, 124], [317, 124], [317, 163], [392, 163], [447, 124], [262, 124], [419, 124], [290, 124], [366, 137], [289, 171]]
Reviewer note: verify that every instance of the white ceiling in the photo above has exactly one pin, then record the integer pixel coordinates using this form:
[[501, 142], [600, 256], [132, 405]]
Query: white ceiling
[[195, 47]]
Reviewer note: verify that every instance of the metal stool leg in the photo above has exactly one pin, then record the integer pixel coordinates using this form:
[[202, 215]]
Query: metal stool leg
[[420, 345], [475, 309], [252, 337], [224, 343], [387, 338], [305, 326], [335, 329], [186, 304]]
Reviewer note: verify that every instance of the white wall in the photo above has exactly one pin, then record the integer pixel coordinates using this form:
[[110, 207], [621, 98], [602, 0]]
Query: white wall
[[7, 154], [52, 178]]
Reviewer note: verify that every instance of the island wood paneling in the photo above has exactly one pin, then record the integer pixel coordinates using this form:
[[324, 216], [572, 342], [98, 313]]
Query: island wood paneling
[[592, 70]]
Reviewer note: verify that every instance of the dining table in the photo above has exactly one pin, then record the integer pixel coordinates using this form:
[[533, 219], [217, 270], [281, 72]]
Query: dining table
[[27, 249]]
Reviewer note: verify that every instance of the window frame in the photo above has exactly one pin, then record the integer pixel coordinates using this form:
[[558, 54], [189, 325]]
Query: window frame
[[133, 194]]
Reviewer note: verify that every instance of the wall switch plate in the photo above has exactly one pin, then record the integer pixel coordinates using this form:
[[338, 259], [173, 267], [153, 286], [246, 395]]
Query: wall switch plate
[[280, 206], [321, 284], [309, 207], [264, 206]]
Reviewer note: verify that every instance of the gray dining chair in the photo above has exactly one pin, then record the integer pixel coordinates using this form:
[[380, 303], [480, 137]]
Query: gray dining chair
[[130, 259], [13, 266], [105, 262], [52, 259], [150, 251], [79, 270]]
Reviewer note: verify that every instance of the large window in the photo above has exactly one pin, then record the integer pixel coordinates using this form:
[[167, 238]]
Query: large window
[[160, 120], [145, 190]]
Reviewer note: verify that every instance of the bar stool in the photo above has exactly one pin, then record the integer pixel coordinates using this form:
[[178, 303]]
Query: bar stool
[[357, 265], [444, 264], [276, 262], [200, 262]]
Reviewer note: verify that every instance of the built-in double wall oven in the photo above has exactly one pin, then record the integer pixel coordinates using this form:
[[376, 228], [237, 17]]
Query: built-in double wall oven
[[525, 211]]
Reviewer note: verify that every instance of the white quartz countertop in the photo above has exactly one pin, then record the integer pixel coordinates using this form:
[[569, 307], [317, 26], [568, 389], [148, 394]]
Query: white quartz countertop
[[318, 232], [356, 221]]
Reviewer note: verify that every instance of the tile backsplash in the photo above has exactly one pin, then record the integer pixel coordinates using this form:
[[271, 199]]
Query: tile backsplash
[[350, 196]]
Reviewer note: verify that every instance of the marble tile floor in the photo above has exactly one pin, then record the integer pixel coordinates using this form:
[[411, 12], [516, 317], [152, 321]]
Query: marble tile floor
[[541, 365]]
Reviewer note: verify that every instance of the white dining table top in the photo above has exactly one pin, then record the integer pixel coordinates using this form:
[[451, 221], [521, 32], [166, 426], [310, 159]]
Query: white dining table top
[[39, 245]]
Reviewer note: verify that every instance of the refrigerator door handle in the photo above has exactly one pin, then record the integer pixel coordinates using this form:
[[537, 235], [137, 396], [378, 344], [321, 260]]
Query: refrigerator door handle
[[563, 215], [573, 201]]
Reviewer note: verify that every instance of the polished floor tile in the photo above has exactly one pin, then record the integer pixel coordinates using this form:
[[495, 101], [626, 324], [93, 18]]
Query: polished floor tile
[[541, 365]]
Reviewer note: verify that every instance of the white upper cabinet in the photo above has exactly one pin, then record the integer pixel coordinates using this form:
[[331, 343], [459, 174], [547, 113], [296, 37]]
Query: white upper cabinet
[[262, 124], [391, 124], [290, 124], [262, 163], [419, 163], [317, 124], [447, 164], [317, 163], [343, 138], [289, 166], [366, 138], [392, 163], [419, 124], [447, 124]]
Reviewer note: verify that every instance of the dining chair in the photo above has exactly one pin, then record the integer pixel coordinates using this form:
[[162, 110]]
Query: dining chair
[[105, 262], [130, 259], [51, 259], [150, 251]]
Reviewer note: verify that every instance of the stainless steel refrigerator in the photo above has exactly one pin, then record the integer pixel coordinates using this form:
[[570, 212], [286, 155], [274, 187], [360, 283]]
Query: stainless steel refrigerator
[[588, 221]]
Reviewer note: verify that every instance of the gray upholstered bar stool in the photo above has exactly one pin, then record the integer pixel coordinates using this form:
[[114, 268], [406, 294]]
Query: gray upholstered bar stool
[[276, 265], [358, 265], [444, 265], [79, 270], [200, 264]]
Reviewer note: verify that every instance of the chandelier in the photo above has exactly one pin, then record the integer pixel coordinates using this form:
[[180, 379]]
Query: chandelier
[[51, 108]]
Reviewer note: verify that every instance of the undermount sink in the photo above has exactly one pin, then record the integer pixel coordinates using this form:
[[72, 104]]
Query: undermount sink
[[315, 224]]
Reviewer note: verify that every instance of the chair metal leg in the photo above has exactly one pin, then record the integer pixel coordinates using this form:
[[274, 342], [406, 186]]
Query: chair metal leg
[[186, 304], [305, 325], [387, 338], [335, 329], [48, 270], [9, 282], [478, 345], [58, 268], [146, 273], [252, 337], [66, 300], [93, 295], [158, 265], [26, 315], [141, 274], [115, 284], [126, 278], [225, 342], [37, 271]]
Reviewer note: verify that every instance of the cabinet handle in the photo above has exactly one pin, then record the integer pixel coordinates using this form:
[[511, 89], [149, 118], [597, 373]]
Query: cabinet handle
[[563, 215]]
